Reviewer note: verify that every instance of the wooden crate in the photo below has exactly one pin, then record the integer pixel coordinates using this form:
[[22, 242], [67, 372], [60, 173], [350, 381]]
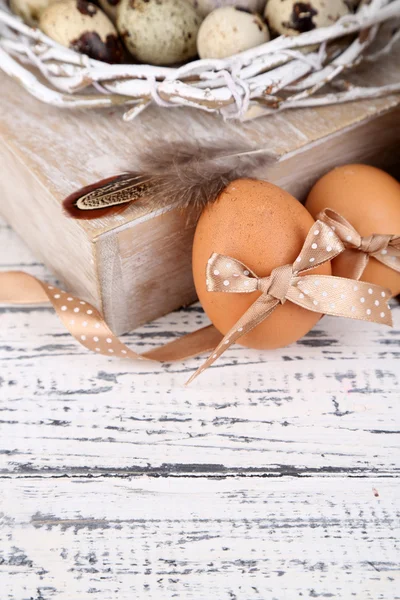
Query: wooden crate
[[137, 266]]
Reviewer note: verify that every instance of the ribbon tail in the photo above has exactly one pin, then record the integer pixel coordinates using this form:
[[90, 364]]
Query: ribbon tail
[[88, 327], [389, 260], [17, 287], [258, 312], [187, 346], [340, 297]]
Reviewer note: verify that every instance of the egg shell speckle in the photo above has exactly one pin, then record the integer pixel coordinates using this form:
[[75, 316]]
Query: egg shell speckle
[[369, 199], [230, 30], [82, 26], [264, 227], [288, 17], [159, 32], [204, 7]]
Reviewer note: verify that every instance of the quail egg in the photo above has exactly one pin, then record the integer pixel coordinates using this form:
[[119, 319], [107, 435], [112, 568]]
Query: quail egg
[[229, 30], [159, 32], [204, 7], [29, 10], [287, 17], [82, 26]]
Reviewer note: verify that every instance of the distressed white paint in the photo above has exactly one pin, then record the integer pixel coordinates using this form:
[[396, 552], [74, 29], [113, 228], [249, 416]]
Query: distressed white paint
[[275, 471], [247, 539]]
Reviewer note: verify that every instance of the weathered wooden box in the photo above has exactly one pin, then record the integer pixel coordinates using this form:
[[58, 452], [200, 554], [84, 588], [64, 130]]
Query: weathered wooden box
[[137, 266]]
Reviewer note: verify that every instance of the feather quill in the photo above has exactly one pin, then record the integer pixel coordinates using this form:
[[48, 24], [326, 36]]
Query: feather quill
[[183, 174]]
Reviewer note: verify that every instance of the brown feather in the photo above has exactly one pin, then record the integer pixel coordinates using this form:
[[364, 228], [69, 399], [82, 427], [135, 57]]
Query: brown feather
[[111, 195], [183, 174]]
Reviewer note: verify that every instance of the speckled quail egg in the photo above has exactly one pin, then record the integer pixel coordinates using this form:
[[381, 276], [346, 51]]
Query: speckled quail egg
[[230, 30], [29, 10], [288, 17], [204, 7], [82, 26], [159, 32], [110, 7]]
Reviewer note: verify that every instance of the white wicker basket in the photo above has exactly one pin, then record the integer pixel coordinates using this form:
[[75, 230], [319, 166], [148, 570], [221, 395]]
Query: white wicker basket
[[262, 80]]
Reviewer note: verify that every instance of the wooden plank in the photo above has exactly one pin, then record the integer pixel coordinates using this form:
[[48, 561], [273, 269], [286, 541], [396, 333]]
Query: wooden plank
[[326, 404], [146, 270], [242, 539], [31, 208]]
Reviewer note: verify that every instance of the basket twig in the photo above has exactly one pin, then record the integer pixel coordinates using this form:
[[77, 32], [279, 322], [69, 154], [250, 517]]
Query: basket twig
[[285, 72]]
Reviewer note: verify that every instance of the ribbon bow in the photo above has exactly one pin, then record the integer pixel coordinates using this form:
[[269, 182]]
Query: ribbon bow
[[358, 249], [319, 293]]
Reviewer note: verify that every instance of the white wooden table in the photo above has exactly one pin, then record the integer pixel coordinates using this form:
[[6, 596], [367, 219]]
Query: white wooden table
[[272, 477]]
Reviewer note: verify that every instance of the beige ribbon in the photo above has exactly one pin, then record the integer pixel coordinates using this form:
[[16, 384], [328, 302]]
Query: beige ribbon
[[319, 293], [88, 326], [358, 249]]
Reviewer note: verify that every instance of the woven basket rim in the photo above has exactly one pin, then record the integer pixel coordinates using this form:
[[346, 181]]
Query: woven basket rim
[[273, 76]]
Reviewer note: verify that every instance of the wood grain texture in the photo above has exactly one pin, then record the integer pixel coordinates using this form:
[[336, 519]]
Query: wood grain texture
[[240, 539], [24, 200], [146, 270]]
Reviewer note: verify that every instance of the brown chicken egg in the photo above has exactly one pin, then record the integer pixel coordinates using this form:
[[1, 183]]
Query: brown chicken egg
[[264, 227], [369, 199]]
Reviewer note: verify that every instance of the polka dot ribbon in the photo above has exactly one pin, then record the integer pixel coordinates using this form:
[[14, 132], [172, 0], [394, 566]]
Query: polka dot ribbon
[[88, 326], [319, 293], [358, 249]]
